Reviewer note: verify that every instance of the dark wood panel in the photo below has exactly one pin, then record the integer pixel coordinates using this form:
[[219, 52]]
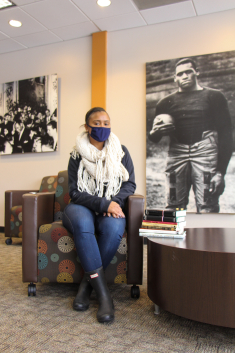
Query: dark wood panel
[[204, 239], [196, 284]]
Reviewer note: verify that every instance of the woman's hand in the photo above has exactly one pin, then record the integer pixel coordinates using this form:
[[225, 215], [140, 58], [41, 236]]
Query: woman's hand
[[114, 210]]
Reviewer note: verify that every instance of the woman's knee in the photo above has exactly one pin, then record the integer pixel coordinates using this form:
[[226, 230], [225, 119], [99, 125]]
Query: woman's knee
[[111, 226], [78, 217]]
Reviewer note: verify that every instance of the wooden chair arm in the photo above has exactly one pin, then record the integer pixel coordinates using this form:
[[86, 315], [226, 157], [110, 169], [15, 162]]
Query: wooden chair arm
[[38, 209], [135, 212]]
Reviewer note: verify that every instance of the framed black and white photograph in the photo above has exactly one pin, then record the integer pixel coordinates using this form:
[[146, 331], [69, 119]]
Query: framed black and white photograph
[[190, 133], [28, 115]]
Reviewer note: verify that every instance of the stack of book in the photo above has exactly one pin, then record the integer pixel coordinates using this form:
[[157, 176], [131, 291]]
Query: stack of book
[[167, 223]]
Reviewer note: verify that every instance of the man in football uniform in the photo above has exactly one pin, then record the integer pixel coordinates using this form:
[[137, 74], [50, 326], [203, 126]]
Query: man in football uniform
[[198, 121]]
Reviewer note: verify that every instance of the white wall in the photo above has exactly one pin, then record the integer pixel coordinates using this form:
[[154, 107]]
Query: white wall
[[72, 62], [128, 51]]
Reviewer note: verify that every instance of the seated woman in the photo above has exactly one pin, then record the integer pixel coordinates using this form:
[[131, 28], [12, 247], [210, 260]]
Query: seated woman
[[101, 177]]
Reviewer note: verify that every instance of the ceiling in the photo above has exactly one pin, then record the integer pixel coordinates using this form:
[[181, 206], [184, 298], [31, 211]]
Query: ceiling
[[52, 21]]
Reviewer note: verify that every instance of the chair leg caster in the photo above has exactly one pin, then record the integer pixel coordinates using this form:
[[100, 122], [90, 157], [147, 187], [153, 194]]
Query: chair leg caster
[[135, 291], [32, 289], [8, 241]]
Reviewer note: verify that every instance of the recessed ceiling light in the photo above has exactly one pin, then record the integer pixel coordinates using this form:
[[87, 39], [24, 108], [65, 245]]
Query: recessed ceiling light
[[6, 3], [104, 3], [15, 23]]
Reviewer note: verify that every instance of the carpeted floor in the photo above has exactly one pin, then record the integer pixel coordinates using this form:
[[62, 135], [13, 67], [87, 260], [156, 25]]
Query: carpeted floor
[[47, 323]]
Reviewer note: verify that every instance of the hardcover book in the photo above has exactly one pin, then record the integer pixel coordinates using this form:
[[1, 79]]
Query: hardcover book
[[161, 231], [166, 213], [159, 227], [164, 219], [164, 226], [163, 235], [158, 224]]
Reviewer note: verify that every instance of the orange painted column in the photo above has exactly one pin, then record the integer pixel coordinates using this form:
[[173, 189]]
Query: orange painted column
[[99, 69]]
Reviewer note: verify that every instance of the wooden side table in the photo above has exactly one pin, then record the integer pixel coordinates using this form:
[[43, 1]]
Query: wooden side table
[[195, 277]]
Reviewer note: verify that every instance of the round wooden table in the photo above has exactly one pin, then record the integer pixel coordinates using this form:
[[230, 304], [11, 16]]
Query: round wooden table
[[195, 277]]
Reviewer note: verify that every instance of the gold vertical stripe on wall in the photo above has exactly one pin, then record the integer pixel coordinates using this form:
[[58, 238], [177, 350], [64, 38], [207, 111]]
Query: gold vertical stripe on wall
[[99, 69]]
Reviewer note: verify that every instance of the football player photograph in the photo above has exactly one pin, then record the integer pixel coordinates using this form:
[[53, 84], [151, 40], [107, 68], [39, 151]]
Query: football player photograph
[[198, 123]]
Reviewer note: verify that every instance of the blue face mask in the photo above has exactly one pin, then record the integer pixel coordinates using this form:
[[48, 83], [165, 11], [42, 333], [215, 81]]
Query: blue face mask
[[99, 134]]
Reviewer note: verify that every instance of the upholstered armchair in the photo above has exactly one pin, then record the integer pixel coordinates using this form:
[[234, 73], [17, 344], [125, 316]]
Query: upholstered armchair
[[13, 207], [48, 250]]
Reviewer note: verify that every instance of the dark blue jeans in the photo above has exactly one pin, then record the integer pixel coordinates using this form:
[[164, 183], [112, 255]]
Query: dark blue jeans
[[96, 237]]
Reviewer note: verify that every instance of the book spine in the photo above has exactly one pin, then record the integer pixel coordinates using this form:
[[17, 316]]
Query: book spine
[[154, 212], [167, 236], [177, 228], [159, 227], [164, 219], [180, 219], [165, 213], [159, 222], [160, 231], [162, 224], [160, 218]]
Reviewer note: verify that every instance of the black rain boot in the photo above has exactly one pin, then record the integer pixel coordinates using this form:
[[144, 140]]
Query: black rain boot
[[81, 301], [106, 310]]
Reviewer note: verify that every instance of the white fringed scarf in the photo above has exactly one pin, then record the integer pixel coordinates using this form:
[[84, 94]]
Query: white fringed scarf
[[99, 169]]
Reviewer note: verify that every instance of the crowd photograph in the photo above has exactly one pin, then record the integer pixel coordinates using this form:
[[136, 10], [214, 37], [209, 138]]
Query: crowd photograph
[[28, 116]]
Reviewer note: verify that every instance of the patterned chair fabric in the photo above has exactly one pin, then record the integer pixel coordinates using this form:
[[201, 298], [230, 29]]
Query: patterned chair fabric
[[48, 183], [62, 197], [16, 222], [57, 257]]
